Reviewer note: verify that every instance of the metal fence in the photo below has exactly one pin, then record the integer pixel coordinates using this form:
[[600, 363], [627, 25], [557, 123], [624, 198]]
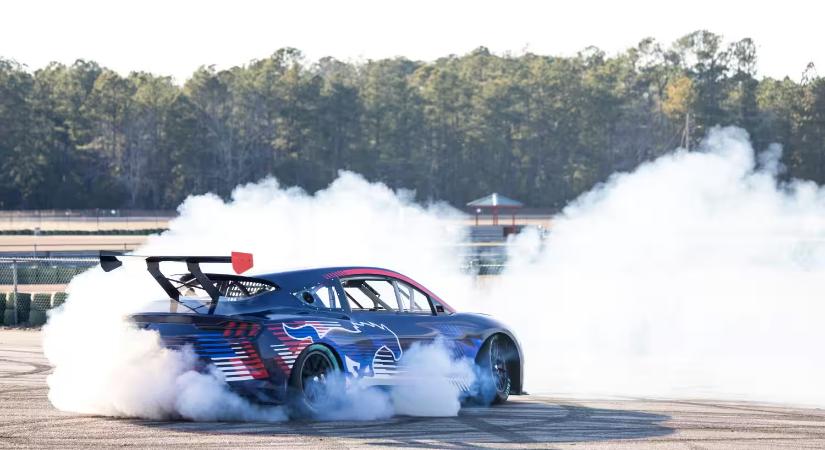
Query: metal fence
[[484, 258], [31, 286]]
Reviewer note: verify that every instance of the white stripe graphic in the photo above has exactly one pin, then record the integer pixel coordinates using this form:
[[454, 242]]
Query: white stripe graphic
[[236, 372], [239, 378]]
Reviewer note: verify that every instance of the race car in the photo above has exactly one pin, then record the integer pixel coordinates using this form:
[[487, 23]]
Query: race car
[[278, 337]]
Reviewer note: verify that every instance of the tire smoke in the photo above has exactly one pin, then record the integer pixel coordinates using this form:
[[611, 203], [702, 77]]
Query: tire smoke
[[103, 365], [699, 274], [426, 388]]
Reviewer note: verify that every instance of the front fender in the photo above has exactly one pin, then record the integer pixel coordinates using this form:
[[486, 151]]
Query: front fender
[[489, 327]]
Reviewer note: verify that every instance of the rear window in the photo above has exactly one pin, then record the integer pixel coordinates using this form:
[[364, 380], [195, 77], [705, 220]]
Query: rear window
[[321, 296], [231, 287]]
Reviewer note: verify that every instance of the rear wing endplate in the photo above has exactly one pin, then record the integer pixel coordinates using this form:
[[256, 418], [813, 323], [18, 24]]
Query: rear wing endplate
[[241, 262]]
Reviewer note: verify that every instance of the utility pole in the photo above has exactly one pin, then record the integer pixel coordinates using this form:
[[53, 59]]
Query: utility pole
[[686, 133]]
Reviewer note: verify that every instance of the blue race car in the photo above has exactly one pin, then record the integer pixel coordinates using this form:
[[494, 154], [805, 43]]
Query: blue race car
[[275, 337]]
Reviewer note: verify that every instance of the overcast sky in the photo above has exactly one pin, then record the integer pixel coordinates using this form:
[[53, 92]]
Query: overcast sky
[[175, 37]]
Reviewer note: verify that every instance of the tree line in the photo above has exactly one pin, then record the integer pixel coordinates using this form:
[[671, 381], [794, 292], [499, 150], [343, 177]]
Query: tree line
[[539, 128]]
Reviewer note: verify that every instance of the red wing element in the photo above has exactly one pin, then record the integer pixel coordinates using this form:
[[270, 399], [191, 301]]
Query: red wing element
[[241, 262]]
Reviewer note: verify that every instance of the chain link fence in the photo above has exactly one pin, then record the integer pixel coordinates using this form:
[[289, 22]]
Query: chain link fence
[[29, 287], [483, 259], [484, 264]]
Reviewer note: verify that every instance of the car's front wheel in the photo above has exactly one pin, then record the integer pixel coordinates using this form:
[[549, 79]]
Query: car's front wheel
[[495, 361]]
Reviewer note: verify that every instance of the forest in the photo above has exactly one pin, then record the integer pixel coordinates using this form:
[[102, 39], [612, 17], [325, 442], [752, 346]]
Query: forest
[[538, 128]]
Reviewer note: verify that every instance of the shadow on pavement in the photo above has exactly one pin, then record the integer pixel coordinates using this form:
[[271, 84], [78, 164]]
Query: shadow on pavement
[[520, 422]]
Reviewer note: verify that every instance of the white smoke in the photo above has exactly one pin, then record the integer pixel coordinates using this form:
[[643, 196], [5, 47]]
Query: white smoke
[[426, 387], [696, 275], [429, 389], [105, 366]]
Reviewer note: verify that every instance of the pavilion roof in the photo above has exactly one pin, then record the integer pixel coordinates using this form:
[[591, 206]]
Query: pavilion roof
[[495, 200]]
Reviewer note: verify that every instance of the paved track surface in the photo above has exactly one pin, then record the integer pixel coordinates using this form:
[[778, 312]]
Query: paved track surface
[[28, 420]]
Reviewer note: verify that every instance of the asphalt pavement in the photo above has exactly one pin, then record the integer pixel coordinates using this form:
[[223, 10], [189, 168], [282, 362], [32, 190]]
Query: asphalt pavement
[[28, 420]]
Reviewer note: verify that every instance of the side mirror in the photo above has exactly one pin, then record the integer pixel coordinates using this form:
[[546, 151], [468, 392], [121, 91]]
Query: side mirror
[[439, 308]]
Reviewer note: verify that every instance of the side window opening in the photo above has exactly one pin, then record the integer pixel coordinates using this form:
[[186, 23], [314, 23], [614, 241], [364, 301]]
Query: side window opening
[[370, 294], [385, 294], [412, 300]]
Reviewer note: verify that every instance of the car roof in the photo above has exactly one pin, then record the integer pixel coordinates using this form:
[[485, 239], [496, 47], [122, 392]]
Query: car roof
[[303, 277], [298, 279]]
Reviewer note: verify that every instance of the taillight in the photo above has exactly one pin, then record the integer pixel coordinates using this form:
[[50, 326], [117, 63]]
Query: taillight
[[233, 328], [241, 329]]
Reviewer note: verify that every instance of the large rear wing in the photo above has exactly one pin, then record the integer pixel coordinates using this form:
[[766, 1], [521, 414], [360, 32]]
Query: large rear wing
[[241, 262]]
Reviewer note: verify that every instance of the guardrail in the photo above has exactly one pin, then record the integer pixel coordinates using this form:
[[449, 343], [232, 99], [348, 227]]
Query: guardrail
[[119, 212], [85, 219], [34, 248]]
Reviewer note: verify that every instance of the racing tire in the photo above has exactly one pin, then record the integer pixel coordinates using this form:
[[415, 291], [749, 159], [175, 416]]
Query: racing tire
[[495, 360], [309, 379]]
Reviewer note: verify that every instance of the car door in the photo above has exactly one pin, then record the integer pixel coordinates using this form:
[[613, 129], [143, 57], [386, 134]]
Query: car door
[[432, 320], [392, 316]]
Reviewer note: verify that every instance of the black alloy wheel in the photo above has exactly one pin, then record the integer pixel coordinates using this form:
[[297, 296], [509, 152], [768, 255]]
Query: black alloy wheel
[[314, 372], [310, 380], [495, 360]]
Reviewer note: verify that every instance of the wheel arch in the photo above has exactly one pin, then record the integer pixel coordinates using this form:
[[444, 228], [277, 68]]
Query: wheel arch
[[335, 354]]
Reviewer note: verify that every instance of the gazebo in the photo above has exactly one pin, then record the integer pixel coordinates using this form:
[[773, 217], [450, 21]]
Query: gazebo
[[494, 203]]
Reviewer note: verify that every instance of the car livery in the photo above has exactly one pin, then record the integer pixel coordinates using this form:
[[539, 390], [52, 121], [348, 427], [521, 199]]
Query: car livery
[[378, 359], [270, 336]]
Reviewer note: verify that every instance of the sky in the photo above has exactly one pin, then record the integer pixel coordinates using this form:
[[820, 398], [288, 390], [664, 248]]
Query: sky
[[175, 37]]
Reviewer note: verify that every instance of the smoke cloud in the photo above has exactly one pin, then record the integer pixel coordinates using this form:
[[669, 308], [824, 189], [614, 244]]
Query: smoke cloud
[[696, 275], [105, 366], [426, 388], [429, 389]]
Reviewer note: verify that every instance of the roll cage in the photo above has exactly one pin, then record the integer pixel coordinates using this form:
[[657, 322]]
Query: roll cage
[[405, 297]]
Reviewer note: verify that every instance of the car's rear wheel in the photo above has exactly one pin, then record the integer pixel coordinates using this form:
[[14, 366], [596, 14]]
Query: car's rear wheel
[[495, 360], [311, 379]]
